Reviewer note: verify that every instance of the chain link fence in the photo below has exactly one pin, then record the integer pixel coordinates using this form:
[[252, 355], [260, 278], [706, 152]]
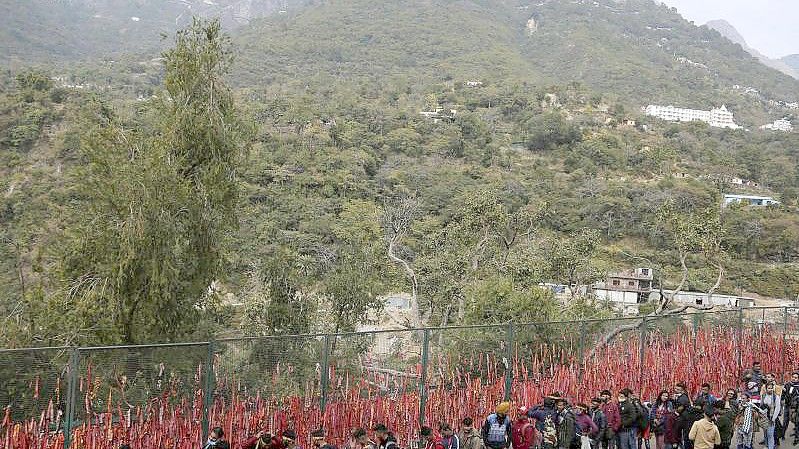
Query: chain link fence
[[171, 395]]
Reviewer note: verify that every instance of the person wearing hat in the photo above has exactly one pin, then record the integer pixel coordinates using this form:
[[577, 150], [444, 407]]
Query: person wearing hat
[[522, 430], [497, 428], [545, 417]]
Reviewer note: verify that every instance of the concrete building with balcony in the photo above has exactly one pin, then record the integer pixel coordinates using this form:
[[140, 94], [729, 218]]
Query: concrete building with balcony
[[626, 287]]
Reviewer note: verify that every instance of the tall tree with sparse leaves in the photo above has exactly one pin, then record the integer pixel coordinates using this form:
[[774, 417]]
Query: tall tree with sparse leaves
[[157, 205]]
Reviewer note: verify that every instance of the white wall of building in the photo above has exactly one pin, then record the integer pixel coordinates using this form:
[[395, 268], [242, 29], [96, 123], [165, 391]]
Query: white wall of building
[[716, 117]]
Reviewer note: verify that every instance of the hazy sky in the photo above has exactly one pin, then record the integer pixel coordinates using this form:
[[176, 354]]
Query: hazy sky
[[769, 26]]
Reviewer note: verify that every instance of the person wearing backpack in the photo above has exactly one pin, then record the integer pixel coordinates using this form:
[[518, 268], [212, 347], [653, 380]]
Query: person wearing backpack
[[566, 426], [496, 430], [545, 417], [628, 431], [469, 436], [642, 421], [601, 422], [522, 431]]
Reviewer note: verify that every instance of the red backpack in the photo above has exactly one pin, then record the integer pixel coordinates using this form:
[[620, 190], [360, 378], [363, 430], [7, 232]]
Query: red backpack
[[517, 436]]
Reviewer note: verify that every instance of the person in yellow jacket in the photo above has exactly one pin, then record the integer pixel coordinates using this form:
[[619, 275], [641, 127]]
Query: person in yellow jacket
[[704, 433]]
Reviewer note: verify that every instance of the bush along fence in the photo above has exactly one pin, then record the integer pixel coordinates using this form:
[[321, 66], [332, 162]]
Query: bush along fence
[[155, 396]]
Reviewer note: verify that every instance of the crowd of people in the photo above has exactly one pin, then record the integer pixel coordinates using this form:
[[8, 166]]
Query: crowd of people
[[673, 420]]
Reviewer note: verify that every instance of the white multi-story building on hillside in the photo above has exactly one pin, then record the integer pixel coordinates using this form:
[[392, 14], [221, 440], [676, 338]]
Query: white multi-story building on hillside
[[779, 125], [716, 117]]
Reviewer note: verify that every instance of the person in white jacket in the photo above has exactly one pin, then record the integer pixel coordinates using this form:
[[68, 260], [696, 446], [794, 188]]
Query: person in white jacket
[[772, 404]]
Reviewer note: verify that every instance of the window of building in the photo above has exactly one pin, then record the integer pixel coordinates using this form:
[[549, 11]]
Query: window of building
[[616, 282], [645, 271], [699, 301], [631, 283]]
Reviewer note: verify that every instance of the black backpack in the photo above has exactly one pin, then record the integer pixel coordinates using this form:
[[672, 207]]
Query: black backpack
[[642, 416]]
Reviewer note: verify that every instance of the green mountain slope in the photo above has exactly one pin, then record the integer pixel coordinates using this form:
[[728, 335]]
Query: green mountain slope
[[361, 38], [640, 51], [60, 31]]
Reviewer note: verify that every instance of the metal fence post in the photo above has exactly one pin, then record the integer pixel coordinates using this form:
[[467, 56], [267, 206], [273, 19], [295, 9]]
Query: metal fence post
[[784, 341], [72, 385], [509, 362], [641, 355], [423, 376], [740, 340], [581, 354], [208, 395], [325, 373]]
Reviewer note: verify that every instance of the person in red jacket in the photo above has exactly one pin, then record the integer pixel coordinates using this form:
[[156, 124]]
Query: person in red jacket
[[588, 430], [672, 433], [611, 410], [430, 439], [522, 431], [261, 440]]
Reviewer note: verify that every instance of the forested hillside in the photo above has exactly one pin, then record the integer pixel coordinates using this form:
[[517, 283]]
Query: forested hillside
[[61, 32], [533, 164]]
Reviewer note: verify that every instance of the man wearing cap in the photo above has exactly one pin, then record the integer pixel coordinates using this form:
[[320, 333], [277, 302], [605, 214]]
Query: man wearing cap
[[497, 428], [522, 431], [545, 417]]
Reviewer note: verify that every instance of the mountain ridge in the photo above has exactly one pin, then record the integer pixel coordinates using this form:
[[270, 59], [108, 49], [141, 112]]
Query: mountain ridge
[[730, 32]]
